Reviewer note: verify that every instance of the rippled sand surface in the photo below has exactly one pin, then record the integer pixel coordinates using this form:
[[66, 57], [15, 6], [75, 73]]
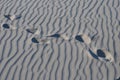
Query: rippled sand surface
[[21, 59]]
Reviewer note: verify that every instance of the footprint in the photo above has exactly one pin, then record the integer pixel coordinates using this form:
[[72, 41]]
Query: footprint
[[8, 26], [12, 17], [40, 41], [83, 38], [34, 31], [63, 36], [101, 54]]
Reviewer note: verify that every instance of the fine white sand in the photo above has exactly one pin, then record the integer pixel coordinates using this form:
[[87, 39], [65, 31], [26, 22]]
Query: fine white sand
[[21, 59]]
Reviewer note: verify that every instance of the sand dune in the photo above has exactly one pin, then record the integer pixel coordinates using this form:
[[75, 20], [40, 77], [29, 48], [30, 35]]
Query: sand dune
[[21, 59]]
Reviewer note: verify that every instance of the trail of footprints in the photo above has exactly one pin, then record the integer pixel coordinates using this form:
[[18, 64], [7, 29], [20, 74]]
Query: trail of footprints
[[99, 54]]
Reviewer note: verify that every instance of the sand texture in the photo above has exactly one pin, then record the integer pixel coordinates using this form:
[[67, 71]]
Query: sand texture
[[59, 57]]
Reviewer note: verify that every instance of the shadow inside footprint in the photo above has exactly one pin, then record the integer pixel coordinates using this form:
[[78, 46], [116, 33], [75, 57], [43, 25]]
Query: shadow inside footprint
[[55, 35], [100, 53], [7, 16], [118, 78], [79, 38], [31, 30], [18, 16], [34, 40], [6, 26]]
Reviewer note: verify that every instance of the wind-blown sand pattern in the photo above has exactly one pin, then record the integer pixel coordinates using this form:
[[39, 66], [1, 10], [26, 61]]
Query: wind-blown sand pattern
[[20, 59]]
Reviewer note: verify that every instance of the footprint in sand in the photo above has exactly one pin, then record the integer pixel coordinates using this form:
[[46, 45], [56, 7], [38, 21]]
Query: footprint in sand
[[33, 31], [40, 40], [101, 54], [8, 26], [63, 36], [85, 38], [12, 17]]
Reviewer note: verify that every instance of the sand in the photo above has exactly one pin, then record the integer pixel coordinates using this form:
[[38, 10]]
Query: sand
[[21, 59]]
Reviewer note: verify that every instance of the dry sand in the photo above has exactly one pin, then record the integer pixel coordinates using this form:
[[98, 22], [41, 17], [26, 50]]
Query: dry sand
[[20, 59]]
